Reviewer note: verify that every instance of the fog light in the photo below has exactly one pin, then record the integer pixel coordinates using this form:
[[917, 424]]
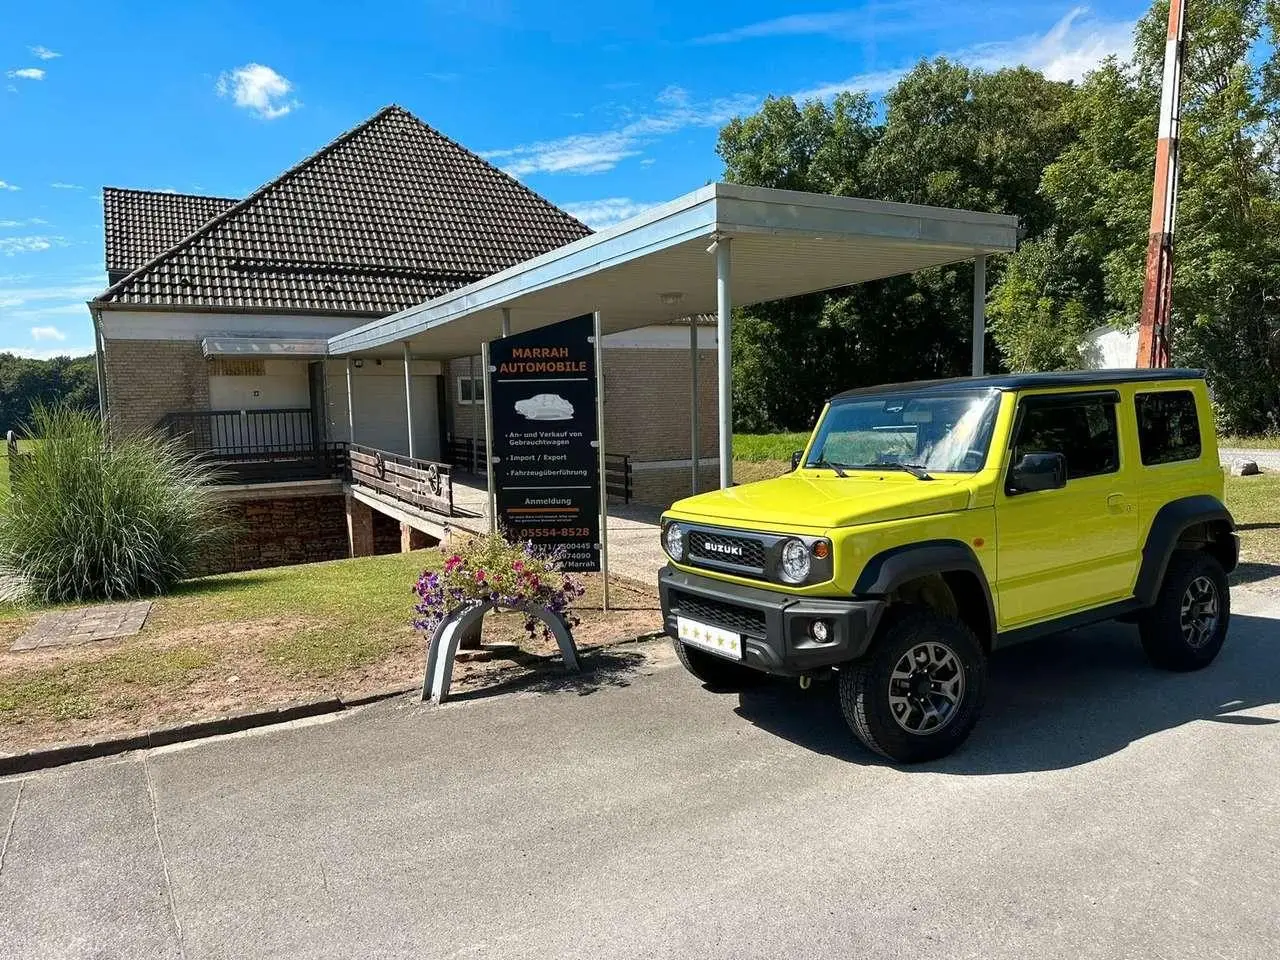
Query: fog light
[[820, 630]]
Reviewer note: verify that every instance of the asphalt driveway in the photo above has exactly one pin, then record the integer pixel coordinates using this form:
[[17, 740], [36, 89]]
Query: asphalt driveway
[[1101, 809]]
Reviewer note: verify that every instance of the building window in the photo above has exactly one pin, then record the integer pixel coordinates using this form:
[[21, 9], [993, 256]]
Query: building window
[[1168, 429], [1083, 431], [470, 391]]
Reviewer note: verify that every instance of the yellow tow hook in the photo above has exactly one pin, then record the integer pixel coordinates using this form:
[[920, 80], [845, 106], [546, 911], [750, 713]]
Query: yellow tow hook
[[806, 681]]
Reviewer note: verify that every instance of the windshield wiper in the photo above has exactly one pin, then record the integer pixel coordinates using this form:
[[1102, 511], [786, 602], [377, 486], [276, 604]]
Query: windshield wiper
[[917, 471], [824, 462]]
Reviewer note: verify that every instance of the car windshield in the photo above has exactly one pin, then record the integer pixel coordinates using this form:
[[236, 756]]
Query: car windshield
[[939, 432]]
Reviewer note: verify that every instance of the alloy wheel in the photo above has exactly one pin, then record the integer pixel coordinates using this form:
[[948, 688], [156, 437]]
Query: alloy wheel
[[1199, 614], [926, 687]]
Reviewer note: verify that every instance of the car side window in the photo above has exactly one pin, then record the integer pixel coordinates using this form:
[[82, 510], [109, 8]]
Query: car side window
[[1168, 428], [1084, 431]]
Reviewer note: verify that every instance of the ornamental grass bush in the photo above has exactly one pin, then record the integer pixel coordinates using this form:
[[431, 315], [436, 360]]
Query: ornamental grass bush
[[92, 517], [490, 567]]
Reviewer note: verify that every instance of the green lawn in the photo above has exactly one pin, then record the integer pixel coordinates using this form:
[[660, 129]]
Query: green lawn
[[1250, 443], [1255, 504], [244, 641], [757, 447]]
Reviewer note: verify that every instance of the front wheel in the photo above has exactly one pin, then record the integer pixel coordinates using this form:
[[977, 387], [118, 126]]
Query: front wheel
[[918, 692], [1186, 627]]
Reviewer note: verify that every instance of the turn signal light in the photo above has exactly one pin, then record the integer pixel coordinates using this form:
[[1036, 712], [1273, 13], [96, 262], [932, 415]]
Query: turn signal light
[[821, 549]]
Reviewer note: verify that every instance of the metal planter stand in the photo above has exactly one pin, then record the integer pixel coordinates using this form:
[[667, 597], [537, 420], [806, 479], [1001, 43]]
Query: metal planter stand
[[466, 621]]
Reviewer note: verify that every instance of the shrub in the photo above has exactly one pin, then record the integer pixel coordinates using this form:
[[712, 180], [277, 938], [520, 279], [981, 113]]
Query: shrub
[[91, 517], [490, 567]]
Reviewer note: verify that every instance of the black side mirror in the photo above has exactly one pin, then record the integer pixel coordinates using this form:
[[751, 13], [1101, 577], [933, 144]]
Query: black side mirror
[[1038, 471], [796, 457]]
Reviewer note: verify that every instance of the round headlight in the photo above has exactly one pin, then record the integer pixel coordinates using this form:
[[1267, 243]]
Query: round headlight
[[794, 567], [674, 541]]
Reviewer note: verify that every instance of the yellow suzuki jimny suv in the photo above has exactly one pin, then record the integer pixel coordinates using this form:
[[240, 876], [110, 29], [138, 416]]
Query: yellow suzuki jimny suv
[[928, 524]]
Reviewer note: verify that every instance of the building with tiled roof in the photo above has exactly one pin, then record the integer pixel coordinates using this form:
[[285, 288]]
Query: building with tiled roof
[[216, 322]]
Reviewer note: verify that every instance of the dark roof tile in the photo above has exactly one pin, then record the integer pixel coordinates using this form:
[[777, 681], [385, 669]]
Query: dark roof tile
[[139, 225], [388, 215]]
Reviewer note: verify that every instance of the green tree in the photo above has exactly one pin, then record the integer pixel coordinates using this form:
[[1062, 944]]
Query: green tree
[[1227, 243], [27, 383], [951, 136]]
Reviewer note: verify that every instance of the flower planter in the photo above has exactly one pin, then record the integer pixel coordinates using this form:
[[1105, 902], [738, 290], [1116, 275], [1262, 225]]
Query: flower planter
[[465, 622]]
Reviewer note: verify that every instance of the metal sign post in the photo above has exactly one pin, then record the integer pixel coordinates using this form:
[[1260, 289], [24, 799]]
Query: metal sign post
[[604, 482], [488, 436]]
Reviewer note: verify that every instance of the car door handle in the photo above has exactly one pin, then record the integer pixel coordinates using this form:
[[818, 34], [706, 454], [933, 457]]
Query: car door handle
[[1117, 503]]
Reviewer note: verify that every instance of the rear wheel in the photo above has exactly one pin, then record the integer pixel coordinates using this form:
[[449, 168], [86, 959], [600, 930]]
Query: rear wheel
[[1186, 627], [917, 693], [713, 670]]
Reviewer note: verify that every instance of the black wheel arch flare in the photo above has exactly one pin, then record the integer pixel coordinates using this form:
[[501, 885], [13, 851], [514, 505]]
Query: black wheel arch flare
[[890, 569], [1169, 525]]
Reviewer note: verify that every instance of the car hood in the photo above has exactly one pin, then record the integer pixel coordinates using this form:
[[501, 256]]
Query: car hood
[[811, 499]]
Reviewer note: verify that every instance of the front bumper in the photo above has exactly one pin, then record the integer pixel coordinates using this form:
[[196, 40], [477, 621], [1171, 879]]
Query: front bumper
[[774, 626]]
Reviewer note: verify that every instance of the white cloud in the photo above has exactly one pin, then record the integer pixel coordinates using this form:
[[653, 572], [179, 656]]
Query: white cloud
[[26, 73], [597, 152], [1073, 46], [841, 23], [47, 333], [12, 294], [43, 53], [258, 89], [1066, 51], [599, 214], [8, 186], [29, 222], [59, 185], [30, 244]]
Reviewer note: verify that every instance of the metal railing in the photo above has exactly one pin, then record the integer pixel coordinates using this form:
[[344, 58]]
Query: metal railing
[[258, 446], [424, 484], [617, 466]]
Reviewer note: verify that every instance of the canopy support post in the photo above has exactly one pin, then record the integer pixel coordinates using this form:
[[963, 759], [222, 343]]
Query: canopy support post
[[351, 412], [979, 314], [694, 396], [724, 360], [408, 397]]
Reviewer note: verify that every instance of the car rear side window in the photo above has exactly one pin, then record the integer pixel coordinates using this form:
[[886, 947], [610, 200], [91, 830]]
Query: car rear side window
[[1168, 428], [1082, 430]]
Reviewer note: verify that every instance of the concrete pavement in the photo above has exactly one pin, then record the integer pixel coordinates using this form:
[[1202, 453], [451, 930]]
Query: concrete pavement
[[1101, 809]]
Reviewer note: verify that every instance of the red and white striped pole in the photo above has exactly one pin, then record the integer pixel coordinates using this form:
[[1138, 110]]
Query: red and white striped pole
[[1157, 290]]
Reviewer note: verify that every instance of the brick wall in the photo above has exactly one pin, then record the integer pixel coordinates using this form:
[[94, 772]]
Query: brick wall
[[278, 531], [148, 378], [647, 403], [663, 487]]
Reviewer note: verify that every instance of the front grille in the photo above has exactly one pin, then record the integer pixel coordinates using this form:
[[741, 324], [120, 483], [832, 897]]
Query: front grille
[[717, 613], [739, 551]]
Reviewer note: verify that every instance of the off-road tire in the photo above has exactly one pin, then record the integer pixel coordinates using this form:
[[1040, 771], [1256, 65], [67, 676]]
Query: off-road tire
[[1161, 626], [864, 685], [713, 670]]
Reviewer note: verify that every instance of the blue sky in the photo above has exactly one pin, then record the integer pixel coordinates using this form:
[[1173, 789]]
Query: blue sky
[[602, 107]]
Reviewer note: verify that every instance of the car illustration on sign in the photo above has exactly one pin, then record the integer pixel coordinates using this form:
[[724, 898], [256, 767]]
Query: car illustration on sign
[[545, 406]]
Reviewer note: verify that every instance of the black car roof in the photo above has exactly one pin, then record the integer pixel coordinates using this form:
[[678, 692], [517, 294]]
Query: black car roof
[[1024, 381]]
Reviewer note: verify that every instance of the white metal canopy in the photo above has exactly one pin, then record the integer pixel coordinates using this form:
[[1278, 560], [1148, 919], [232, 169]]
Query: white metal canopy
[[656, 267], [720, 246]]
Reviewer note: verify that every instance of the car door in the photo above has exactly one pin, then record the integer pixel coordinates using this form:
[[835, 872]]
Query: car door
[[1075, 547]]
